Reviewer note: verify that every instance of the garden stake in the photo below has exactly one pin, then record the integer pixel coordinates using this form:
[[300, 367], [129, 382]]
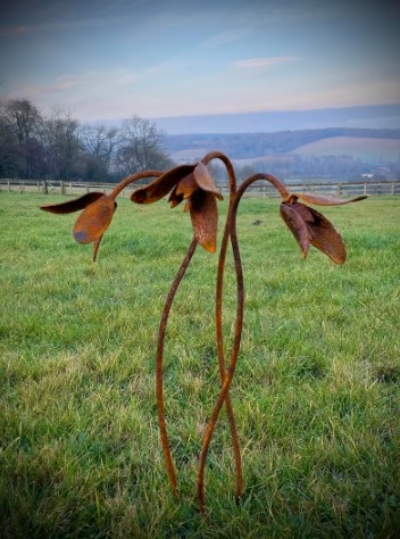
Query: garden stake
[[159, 362], [194, 185], [218, 317]]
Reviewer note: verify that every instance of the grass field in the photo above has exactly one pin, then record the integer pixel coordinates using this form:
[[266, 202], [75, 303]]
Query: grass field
[[316, 392]]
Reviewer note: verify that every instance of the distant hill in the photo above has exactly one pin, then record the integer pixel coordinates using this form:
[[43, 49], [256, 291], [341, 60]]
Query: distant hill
[[368, 150], [366, 116], [365, 144]]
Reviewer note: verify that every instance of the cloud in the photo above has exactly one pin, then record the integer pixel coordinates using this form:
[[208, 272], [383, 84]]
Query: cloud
[[14, 31], [108, 80], [61, 84], [40, 28], [226, 37], [251, 64]]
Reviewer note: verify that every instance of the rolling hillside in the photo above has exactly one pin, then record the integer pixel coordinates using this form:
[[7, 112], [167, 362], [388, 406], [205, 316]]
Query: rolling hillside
[[338, 153], [368, 145], [368, 150]]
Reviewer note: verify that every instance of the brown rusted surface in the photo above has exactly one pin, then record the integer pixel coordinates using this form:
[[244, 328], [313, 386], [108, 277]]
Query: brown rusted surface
[[159, 188], [219, 334], [96, 246], [94, 220], [73, 205], [227, 381], [310, 227], [320, 200], [204, 216], [194, 185], [297, 227], [205, 181], [184, 189], [159, 363]]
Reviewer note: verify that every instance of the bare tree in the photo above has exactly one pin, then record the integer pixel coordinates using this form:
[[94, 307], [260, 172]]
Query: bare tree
[[56, 147], [140, 147], [100, 144], [21, 152], [63, 146], [22, 117], [100, 141]]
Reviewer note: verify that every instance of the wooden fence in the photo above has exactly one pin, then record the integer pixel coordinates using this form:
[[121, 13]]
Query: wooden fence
[[258, 189]]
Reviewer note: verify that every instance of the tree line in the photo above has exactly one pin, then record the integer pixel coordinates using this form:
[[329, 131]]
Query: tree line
[[59, 147]]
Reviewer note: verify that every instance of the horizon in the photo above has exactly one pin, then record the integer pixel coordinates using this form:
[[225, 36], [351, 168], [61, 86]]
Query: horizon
[[361, 117], [207, 62]]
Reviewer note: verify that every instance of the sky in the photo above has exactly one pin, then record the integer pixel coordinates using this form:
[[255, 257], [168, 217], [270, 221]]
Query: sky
[[111, 59]]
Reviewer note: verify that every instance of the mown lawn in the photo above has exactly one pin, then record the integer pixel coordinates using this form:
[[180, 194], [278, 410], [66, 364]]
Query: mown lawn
[[316, 392]]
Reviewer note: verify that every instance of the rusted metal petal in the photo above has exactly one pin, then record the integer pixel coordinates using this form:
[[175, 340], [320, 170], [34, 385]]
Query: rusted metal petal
[[204, 215], [94, 220], [173, 198], [296, 223], [161, 186], [318, 200], [325, 237], [73, 205], [205, 181], [187, 186]]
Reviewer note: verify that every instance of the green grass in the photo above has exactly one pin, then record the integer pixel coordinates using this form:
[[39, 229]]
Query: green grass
[[316, 392]]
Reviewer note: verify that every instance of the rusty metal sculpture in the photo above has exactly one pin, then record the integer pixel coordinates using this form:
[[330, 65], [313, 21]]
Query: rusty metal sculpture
[[194, 185]]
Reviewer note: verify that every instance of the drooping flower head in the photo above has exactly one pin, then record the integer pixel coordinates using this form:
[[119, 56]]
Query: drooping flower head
[[93, 221], [195, 185], [309, 226]]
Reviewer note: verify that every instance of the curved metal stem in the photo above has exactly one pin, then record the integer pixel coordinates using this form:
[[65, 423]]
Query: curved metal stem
[[224, 392], [233, 360], [134, 178], [159, 362], [218, 317], [262, 176]]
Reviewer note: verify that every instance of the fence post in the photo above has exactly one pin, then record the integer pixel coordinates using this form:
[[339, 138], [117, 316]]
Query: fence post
[[392, 188], [62, 187], [8, 185], [45, 187], [365, 188]]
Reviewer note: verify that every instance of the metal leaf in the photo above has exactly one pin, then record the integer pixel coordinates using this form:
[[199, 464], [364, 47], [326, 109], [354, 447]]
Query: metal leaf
[[94, 221], [319, 200], [296, 223], [204, 216], [205, 181], [73, 205], [173, 198], [161, 186], [325, 237], [187, 186]]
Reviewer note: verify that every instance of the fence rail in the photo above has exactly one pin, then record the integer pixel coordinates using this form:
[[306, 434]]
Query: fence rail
[[258, 189]]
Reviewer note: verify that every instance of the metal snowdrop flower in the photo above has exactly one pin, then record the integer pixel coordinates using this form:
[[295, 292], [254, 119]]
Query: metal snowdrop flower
[[195, 185], [93, 222], [309, 226]]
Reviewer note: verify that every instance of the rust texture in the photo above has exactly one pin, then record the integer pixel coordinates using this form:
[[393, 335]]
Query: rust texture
[[194, 186]]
